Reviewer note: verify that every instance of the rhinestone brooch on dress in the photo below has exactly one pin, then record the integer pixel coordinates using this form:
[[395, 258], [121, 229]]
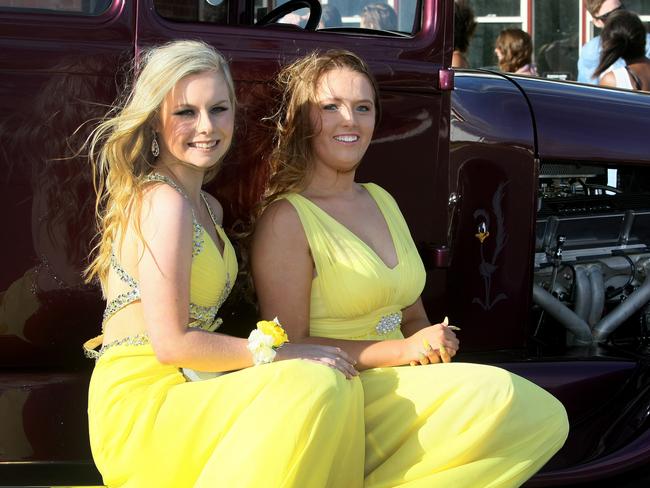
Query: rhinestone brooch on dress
[[389, 323]]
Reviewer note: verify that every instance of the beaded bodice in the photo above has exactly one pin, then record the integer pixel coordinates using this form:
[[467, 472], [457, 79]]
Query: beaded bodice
[[201, 316]]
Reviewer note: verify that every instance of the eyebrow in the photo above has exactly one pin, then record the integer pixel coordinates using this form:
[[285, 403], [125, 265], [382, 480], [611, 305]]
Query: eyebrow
[[338, 99], [189, 105]]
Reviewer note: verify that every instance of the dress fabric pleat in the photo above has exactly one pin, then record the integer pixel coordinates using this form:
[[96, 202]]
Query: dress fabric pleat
[[299, 424], [457, 424], [283, 424]]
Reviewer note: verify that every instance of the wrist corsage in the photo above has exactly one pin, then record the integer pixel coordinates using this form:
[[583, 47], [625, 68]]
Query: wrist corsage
[[265, 340]]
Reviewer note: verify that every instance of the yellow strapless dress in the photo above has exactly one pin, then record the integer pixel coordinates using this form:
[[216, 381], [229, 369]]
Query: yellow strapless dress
[[445, 425], [283, 424]]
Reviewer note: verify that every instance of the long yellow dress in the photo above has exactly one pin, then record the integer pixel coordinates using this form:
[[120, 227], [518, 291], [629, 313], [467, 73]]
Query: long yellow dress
[[443, 425], [284, 424]]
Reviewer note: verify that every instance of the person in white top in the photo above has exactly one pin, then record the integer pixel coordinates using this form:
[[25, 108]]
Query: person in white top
[[624, 36]]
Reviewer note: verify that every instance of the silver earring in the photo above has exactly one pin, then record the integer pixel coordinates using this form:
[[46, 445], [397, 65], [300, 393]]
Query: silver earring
[[155, 148]]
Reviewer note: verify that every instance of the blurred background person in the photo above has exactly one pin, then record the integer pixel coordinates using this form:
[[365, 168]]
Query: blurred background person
[[624, 37], [464, 26], [330, 17], [378, 16], [589, 57], [348, 8], [514, 50]]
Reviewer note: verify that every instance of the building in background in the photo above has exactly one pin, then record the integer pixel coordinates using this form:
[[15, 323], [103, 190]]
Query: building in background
[[558, 28]]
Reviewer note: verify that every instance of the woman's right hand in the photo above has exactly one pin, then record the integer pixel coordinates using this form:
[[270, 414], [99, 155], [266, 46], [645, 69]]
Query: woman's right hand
[[334, 357], [432, 344]]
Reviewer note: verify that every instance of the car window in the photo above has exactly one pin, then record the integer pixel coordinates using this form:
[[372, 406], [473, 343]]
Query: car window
[[210, 11], [78, 7], [381, 16]]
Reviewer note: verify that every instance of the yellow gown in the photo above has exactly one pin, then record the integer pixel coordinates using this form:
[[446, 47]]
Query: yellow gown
[[284, 424], [443, 425]]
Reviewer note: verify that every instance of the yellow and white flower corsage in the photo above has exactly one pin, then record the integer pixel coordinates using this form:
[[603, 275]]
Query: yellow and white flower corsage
[[264, 341]]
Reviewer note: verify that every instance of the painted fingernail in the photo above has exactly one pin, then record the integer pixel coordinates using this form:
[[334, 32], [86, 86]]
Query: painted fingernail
[[426, 344], [445, 322]]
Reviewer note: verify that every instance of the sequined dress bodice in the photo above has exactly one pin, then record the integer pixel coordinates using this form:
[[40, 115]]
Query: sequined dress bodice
[[212, 276]]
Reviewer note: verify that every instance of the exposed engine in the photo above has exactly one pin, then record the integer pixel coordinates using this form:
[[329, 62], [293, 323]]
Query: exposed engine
[[592, 255]]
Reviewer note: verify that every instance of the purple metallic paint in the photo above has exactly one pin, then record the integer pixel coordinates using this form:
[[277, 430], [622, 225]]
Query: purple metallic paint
[[588, 123], [56, 73], [493, 171]]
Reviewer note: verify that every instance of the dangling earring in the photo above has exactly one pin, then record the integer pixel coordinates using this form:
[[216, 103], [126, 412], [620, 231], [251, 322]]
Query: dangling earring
[[155, 148]]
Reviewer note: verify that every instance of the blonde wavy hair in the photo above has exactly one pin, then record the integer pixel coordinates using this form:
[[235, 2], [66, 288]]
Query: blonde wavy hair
[[292, 155], [119, 147]]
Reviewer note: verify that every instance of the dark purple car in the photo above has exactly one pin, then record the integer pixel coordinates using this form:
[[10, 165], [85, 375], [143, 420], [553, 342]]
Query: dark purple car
[[529, 200]]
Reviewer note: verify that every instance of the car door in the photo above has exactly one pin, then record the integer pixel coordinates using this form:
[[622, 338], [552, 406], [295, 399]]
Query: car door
[[57, 70]]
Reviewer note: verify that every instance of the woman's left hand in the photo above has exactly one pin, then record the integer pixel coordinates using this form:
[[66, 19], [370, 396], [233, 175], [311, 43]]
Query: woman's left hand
[[439, 344]]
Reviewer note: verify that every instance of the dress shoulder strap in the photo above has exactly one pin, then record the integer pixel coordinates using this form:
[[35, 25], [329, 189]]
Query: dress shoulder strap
[[157, 177], [394, 217], [381, 194], [319, 230], [197, 237], [634, 76], [307, 211], [386, 203], [213, 218]]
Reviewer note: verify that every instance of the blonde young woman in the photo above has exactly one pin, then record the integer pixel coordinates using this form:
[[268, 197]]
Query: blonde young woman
[[165, 266], [334, 259]]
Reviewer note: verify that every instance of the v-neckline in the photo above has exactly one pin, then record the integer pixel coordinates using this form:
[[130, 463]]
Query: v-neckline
[[221, 254], [357, 238]]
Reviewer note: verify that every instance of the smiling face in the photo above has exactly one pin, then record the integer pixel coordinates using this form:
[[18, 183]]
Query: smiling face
[[196, 121], [343, 118]]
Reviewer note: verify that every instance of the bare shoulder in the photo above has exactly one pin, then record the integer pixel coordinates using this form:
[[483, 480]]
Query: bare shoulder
[[458, 60], [215, 206], [608, 79], [162, 203], [279, 218]]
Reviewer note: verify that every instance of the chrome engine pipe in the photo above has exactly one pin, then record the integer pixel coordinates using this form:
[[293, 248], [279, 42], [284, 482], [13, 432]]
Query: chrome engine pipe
[[597, 283], [563, 314], [637, 299], [582, 292]]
